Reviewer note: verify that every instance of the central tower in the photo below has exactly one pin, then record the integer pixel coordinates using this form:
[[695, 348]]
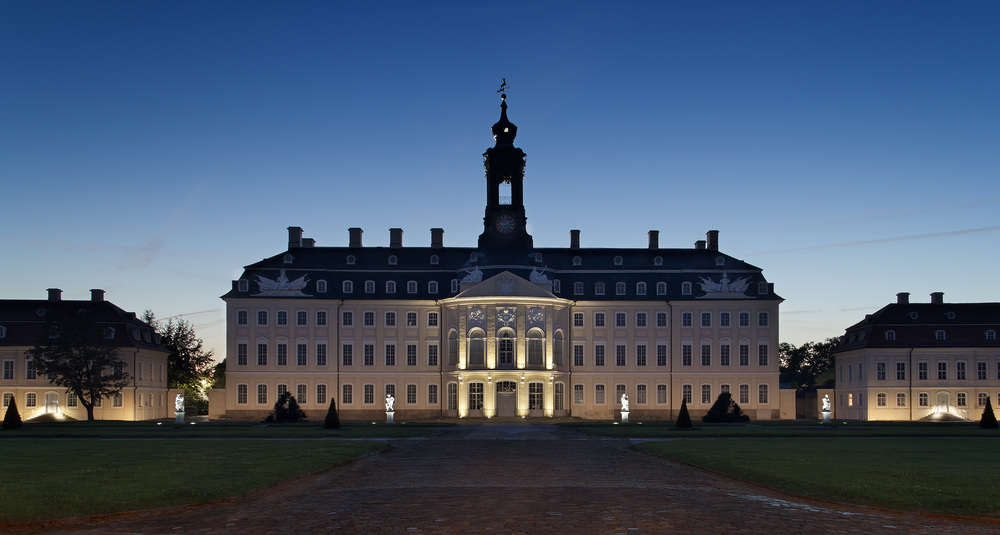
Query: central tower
[[504, 223]]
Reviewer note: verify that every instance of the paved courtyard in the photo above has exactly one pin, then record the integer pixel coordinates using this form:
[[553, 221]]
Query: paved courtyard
[[515, 478]]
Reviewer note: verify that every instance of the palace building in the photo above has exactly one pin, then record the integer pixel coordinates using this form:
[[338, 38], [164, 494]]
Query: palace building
[[504, 328]]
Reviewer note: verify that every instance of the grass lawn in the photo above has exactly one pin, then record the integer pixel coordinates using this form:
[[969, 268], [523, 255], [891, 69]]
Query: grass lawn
[[44, 479], [227, 429], [790, 429], [937, 475]]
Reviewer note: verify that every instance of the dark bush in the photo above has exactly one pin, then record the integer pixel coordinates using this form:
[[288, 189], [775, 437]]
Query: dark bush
[[725, 410], [286, 409]]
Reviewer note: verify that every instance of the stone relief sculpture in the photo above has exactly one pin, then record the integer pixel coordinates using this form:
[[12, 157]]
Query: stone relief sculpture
[[505, 316], [505, 285], [281, 285], [474, 275], [477, 316], [536, 317], [725, 287]]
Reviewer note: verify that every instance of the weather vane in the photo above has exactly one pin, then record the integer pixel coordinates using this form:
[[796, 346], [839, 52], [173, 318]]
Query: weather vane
[[503, 86]]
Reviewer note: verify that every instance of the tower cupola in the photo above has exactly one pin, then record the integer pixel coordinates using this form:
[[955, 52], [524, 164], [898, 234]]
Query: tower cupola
[[504, 131]]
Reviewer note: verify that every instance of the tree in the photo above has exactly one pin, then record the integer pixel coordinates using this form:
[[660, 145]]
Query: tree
[[76, 353], [332, 420], [725, 410], [189, 366], [808, 365], [683, 418], [12, 418], [989, 419], [286, 409], [219, 375]]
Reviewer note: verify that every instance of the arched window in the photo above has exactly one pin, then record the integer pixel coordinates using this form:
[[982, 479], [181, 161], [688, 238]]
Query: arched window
[[505, 349], [991, 335], [661, 288], [577, 288], [390, 287], [348, 287], [321, 286], [477, 347], [640, 288], [432, 287], [411, 287], [599, 288], [557, 348], [453, 347], [685, 288], [890, 336], [454, 285], [556, 286], [369, 287], [619, 288], [536, 347], [939, 335]]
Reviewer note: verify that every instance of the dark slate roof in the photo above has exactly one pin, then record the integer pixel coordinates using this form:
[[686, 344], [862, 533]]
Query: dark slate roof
[[25, 319], [414, 264], [915, 324]]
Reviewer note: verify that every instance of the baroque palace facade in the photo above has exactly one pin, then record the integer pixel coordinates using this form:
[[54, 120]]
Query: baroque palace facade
[[504, 329]]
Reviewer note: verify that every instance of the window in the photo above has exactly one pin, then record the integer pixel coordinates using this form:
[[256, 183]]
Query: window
[[432, 319], [348, 287], [411, 354], [942, 371], [577, 288], [368, 318], [577, 394], [411, 319], [71, 399], [321, 318], [685, 288], [661, 288], [477, 348], [687, 394], [390, 355], [620, 319], [880, 372], [981, 399], [640, 288], [282, 317], [619, 288], [432, 287], [453, 396], [262, 354], [744, 319], [762, 319], [762, 355], [558, 396], [900, 399], [282, 354], [991, 335], [744, 354], [347, 318], [762, 288], [31, 373], [620, 358], [706, 394], [640, 319], [411, 288], [454, 289], [599, 355], [744, 394], [762, 394], [578, 319], [536, 348], [241, 317], [661, 354], [599, 288], [640, 355], [881, 399], [557, 348], [347, 354], [661, 319], [599, 319], [578, 355], [244, 285], [390, 319], [661, 394], [706, 355], [939, 335], [724, 355], [321, 394], [411, 394], [321, 287], [686, 357], [31, 399], [432, 394], [960, 370], [300, 393], [962, 402], [261, 317], [300, 354], [534, 396], [475, 396], [301, 318], [890, 336], [922, 371], [900, 371], [390, 390], [369, 354], [432, 355], [369, 287], [390, 287], [687, 319], [981, 371], [706, 319], [321, 354], [452, 348], [241, 354], [599, 394], [435, 260], [261, 394], [369, 395], [923, 399], [241, 394]]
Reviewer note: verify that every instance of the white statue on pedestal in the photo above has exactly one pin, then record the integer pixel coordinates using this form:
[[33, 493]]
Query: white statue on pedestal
[[624, 402], [389, 401], [179, 403], [826, 403]]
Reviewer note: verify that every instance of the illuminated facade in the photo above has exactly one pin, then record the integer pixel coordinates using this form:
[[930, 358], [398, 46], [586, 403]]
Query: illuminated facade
[[22, 323], [913, 361], [504, 329]]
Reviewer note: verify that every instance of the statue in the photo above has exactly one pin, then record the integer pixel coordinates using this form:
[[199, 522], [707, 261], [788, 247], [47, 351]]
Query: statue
[[538, 276], [389, 401], [624, 402], [826, 403], [475, 275], [179, 403]]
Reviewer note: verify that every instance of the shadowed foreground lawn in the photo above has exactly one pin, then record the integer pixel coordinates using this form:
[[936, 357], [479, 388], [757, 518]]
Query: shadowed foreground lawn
[[44, 479], [934, 475]]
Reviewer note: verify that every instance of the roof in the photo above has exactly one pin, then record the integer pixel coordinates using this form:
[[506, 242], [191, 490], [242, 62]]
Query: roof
[[23, 321], [917, 324]]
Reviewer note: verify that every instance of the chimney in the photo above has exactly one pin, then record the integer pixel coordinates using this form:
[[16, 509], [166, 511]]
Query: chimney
[[700, 244], [437, 238], [355, 234], [574, 239], [55, 294], [937, 298], [654, 239], [308, 242], [97, 296], [294, 237], [713, 240], [903, 298], [395, 238]]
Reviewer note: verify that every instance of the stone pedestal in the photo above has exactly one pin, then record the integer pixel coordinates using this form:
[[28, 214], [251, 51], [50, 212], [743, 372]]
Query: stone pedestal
[[179, 417], [389, 417], [624, 417], [826, 416]]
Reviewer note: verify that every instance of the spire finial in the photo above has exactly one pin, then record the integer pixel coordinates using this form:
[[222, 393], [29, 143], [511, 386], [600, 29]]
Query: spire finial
[[503, 89]]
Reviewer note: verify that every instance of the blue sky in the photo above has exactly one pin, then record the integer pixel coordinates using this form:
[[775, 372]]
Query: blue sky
[[849, 149]]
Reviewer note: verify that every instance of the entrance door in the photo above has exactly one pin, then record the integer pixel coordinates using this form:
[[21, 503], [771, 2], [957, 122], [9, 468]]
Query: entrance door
[[506, 399], [942, 402], [51, 402]]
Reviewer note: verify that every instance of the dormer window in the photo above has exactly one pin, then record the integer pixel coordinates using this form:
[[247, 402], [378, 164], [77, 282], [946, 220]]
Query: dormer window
[[939, 335], [411, 287], [556, 286], [661, 288], [347, 287], [3, 331], [538, 258], [434, 260], [890, 336], [390, 287], [287, 259], [351, 260], [761, 288], [454, 285], [244, 285], [577, 261], [640, 288], [599, 288], [109, 333], [369, 287], [577, 288], [618, 261], [619, 288], [720, 260], [393, 260], [685, 288], [658, 261], [321, 287], [991, 335]]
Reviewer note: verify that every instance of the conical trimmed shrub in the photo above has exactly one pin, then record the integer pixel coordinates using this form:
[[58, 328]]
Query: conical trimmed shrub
[[684, 419], [332, 420], [989, 420], [12, 419]]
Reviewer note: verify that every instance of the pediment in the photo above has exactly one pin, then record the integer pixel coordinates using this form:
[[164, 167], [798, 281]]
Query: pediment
[[507, 284]]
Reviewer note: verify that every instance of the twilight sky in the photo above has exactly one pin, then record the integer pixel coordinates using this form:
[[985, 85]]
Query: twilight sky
[[850, 149]]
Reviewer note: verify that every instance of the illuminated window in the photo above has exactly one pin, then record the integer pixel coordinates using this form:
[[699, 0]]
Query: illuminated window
[[599, 394], [661, 394], [475, 396], [687, 393], [881, 399], [432, 394]]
